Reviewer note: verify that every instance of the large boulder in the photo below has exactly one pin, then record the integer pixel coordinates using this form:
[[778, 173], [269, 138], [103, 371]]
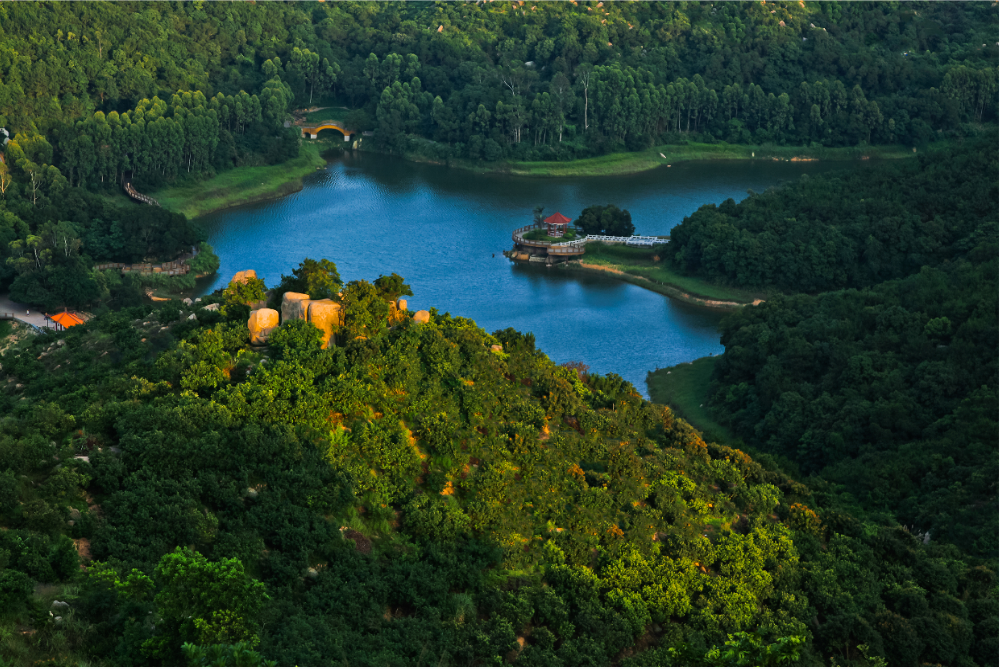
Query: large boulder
[[421, 316], [397, 313], [328, 316], [294, 306], [244, 276], [262, 323]]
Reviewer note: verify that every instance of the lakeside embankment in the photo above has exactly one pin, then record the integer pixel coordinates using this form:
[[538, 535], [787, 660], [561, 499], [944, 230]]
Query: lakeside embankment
[[671, 154], [643, 267], [686, 389], [243, 185]]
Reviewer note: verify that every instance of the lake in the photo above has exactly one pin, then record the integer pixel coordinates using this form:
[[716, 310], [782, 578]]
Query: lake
[[444, 230]]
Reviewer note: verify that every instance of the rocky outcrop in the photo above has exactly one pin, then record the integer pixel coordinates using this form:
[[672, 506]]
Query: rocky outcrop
[[421, 316], [496, 348], [398, 313], [244, 276], [262, 323], [294, 306], [328, 316]]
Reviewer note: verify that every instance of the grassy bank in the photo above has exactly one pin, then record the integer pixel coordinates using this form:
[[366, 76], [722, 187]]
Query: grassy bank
[[670, 154], [686, 389], [642, 267], [243, 184], [629, 163], [328, 114], [667, 154]]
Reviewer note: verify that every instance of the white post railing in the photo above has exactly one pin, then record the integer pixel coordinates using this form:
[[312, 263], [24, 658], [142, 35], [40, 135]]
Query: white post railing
[[634, 240]]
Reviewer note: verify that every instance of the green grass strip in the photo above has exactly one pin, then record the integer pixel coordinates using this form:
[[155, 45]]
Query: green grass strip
[[630, 163], [242, 185], [328, 114], [686, 388], [639, 263]]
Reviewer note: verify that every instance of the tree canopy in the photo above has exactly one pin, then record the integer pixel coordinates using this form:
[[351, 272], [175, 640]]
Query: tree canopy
[[607, 220], [412, 494]]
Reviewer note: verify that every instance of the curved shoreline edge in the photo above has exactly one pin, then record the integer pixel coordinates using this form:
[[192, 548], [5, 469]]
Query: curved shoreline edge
[[625, 163], [662, 288], [243, 185], [246, 185]]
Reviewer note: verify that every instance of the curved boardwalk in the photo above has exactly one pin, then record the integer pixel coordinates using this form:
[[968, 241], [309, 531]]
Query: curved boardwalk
[[139, 197]]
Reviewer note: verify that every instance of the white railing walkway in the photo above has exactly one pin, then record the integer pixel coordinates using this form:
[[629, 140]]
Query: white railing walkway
[[575, 247], [635, 240]]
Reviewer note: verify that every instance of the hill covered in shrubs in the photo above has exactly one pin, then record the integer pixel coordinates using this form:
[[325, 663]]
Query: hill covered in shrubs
[[411, 494]]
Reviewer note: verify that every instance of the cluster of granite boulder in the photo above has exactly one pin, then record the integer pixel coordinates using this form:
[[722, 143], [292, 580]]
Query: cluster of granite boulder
[[325, 314]]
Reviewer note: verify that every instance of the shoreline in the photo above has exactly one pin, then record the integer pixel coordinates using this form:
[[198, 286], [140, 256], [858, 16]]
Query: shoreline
[[667, 289], [246, 185], [667, 155], [243, 185]]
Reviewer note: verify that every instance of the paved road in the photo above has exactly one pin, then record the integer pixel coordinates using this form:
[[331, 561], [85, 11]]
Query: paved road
[[23, 312]]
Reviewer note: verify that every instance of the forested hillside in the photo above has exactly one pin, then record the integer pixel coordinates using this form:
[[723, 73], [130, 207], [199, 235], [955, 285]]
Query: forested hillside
[[420, 494], [850, 229], [435, 494], [97, 94], [888, 388], [890, 391], [882, 392], [493, 80]]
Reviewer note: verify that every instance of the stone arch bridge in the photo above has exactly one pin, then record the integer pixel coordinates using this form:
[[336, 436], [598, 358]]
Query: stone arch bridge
[[312, 130]]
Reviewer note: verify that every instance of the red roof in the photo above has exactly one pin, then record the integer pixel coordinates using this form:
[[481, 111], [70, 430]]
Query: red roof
[[67, 320], [557, 218]]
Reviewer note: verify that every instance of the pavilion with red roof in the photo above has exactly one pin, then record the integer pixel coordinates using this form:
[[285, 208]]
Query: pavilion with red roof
[[556, 225]]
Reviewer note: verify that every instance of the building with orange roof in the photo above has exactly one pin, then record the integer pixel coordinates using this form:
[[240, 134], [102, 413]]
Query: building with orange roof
[[66, 319]]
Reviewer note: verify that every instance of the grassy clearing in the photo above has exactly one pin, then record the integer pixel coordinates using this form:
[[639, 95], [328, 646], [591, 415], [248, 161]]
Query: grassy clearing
[[686, 389], [630, 163], [328, 114], [243, 184], [539, 235], [640, 263]]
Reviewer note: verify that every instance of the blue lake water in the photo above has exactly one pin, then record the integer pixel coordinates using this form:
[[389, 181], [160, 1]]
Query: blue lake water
[[444, 230]]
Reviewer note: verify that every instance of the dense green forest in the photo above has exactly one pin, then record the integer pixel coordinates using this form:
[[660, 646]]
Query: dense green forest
[[435, 494], [853, 229], [494, 80], [887, 388], [882, 392], [50, 246], [890, 391], [420, 494], [96, 94]]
